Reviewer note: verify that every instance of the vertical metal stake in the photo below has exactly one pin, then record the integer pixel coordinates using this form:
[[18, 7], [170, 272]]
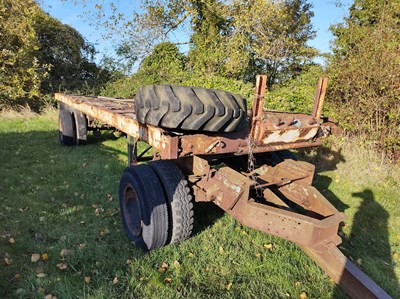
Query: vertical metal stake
[[258, 104], [132, 151], [320, 97]]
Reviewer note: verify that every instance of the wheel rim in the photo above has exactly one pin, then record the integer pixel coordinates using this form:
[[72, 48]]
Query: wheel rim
[[131, 211]]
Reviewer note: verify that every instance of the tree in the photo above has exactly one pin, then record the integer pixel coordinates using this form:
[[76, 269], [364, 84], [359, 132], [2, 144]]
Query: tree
[[69, 56], [20, 71], [365, 68], [207, 53], [270, 37], [231, 38], [297, 94], [40, 55], [165, 65]]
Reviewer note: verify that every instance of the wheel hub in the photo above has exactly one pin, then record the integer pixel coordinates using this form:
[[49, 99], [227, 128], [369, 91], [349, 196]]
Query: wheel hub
[[132, 212]]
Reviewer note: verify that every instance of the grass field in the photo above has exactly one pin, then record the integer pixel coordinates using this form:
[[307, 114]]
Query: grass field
[[61, 234]]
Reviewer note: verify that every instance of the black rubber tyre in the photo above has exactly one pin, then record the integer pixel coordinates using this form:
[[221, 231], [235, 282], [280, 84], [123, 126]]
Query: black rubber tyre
[[81, 128], [66, 127], [190, 108], [179, 200], [144, 211]]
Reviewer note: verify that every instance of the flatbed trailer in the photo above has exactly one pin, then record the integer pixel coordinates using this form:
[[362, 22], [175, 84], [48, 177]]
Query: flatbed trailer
[[249, 173]]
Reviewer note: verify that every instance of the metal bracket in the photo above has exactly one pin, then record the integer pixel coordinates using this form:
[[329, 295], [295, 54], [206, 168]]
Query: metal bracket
[[133, 156]]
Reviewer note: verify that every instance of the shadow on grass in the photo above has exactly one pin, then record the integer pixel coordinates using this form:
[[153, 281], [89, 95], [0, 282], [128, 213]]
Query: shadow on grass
[[206, 214], [369, 241], [322, 183], [323, 157], [54, 198], [369, 236]]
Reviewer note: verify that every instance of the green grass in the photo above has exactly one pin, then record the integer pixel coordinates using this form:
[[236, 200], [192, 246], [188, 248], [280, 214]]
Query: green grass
[[54, 198]]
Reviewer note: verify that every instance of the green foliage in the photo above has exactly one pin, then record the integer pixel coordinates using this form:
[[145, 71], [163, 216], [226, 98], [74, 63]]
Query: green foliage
[[246, 90], [367, 12], [124, 87], [365, 85], [207, 53], [234, 39], [69, 56], [40, 55], [270, 37], [296, 95], [20, 71], [166, 65]]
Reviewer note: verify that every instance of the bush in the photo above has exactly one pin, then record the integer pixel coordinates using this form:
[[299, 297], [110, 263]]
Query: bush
[[39, 55], [365, 72], [21, 72], [166, 65], [296, 95]]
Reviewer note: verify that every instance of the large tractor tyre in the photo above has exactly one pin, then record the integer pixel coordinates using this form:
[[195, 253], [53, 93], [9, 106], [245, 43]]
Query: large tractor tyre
[[190, 108], [81, 128], [66, 127], [144, 211], [179, 200]]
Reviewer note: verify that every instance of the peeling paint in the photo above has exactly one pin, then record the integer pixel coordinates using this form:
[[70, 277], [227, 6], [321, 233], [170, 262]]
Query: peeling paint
[[289, 136]]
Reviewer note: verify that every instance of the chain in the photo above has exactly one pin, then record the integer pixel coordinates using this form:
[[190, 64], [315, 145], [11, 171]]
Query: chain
[[251, 164]]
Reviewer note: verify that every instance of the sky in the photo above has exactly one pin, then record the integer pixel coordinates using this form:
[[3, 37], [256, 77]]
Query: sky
[[326, 13]]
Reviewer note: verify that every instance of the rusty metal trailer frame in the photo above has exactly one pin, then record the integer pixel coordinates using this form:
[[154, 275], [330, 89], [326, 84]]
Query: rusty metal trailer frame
[[271, 131], [258, 193]]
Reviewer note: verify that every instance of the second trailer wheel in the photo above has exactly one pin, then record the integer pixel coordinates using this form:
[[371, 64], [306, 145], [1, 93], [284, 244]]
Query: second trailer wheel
[[144, 211]]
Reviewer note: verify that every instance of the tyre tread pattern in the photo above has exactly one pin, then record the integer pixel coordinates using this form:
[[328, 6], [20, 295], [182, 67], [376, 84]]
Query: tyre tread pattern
[[178, 199], [190, 108]]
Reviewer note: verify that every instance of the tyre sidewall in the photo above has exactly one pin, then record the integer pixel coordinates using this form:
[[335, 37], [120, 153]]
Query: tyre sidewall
[[154, 208], [66, 127], [81, 128], [128, 179]]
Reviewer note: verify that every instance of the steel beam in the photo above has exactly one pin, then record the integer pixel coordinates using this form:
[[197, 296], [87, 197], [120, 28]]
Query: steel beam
[[344, 273]]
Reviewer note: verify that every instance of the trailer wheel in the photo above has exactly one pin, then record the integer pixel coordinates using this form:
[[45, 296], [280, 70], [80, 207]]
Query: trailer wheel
[[66, 129], [144, 211], [81, 127], [190, 108], [178, 198]]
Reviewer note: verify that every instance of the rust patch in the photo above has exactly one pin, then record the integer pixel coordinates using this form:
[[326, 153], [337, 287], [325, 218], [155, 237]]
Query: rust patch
[[119, 114]]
